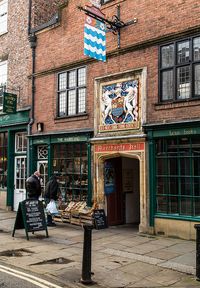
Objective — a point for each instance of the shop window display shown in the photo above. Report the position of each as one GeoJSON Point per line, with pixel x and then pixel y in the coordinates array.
{"type": "Point", "coordinates": [178, 176]}
{"type": "Point", "coordinates": [71, 166]}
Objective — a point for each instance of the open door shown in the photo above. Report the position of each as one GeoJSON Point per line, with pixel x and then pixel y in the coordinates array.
{"type": "Point", "coordinates": [113, 191]}
{"type": "Point", "coordinates": [122, 190]}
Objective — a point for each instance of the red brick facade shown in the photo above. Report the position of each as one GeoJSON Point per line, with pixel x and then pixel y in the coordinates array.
{"type": "Point", "coordinates": [62, 47]}
{"type": "Point", "coordinates": [43, 11]}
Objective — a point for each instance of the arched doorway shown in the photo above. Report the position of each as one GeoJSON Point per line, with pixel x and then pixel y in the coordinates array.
{"type": "Point", "coordinates": [122, 190]}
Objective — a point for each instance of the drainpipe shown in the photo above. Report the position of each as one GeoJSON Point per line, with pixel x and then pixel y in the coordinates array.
{"type": "Point", "coordinates": [33, 43]}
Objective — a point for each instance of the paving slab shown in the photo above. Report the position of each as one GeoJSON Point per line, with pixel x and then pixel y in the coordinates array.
{"type": "Point", "coordinates": [121, 257]}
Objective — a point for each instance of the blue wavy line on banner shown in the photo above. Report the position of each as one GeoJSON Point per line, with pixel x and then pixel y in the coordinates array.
{"type": "Point", "coordinates": [94, 55]}
{"type": "Point", "coordinates": [95, 44]}
{"type": "Point", "coordinates": [94, 33]}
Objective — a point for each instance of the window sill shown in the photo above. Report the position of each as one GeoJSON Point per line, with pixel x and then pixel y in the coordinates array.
{"type": "Point", "coordinates": [178, 104]}
{"type": "Point", "coordinates": [3, 33]}
{"type": "Point", "coordinates": [72, 118]}
{"type": "Point", "coordinates": [178, 217]}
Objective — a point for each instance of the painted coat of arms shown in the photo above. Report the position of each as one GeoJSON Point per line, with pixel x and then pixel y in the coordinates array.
{"type": "Point", "coordinates": [119, 103]}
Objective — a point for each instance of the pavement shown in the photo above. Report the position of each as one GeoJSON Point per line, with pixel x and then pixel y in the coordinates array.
{"type": "Point", "coordinates": [121, 257]}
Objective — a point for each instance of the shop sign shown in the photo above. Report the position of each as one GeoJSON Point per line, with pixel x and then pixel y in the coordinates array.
{"type": "Point", "coordinates": [9, 103]}
{"type": "Point", "coordinates": [177, 132]}
{"type": "Point", "coordinates": [21, 117]}
{"type": "Point", "coordinates": [69, 139]}
{"type": "Point", "coordinates": [40, 141]}
{"type": "Point", "coordinates": [119, 147]}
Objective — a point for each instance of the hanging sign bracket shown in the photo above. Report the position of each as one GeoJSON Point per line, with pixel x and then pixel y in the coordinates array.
{"type": "Point", "coordinates": [113, 25]}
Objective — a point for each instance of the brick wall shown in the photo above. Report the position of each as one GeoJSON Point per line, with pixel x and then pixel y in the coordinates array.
{"type": "Point", "coordinates": [63, 46]}
{"type": "Point", "coordinates": [43, 10]}
{"type": "Point", "coordinates": [14, 47]}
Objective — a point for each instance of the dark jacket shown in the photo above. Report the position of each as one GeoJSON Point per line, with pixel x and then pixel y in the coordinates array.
{"type": "Point", "coordinates": [33, 187]}
{"type": "Point", "coordinates": [52, 189]}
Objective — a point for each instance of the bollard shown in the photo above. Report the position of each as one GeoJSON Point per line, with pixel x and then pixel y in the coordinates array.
{"type": "Point", "coordinates": [197, 227]}
{"type": "Point", "coordinates": [86, 263]}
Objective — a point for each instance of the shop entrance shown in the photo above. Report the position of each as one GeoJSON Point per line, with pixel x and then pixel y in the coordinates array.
{"type": "Point", "coordinates": [121, 187]}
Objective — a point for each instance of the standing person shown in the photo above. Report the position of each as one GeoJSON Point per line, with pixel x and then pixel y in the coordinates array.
{"type": "Point", "coordinates": [33, 186]}
{"type": "Point", "coordinates": [52, 192]}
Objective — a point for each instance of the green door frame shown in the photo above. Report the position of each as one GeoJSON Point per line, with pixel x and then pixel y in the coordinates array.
{"type": "Point", "coordinates": [58, 139]}
{"type": "Point", "coordinates": [163, 131]}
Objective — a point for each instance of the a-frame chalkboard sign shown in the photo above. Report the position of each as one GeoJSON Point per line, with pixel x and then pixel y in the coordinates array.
{"type": "Point", "coordinates": [99, 219]}
{"type": "Point", "coordinates": [30, 216]}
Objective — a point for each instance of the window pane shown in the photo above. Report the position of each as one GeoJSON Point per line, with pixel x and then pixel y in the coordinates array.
{"type": "Point", "coordinates": [162, 204]}
{"type": "Point", "coordinates": [167, 58]}
{"type": "Point", "coordinates": [161, 185]}
{"type": "Point", "coordinates": [173, 205]}
{"type": "Point", "coordinates": [183, 82]}
{"type": "Point", "coordinates": [71, 102]}
{"type": "Point", "coordinates": [173, 166]}
{"type": "Point", "coordinates": [81, 77]}
{"type": "Point", "coordinates": [183, 52]}
{"type": "Point", "coordinates": [173, 185]}
{"type": "Point", "coordinates": [20, 142]}
{"type": "Point", "coordinates": [81, 100]}
{"type": "Point", "coordinates": [197, 207]}
{"type": "Point", "coordinates": [167, 85]}
{"type": "Point", "coordinates": [185, 206]}
{"type": "Point", "coordinates": [185, 185]}
{"type": "Point", "coordinates": [62, 81]}
{"type": "Point", "coordinates": [62, 104]}
{"type": "Point", "coordinates": [72, 79]}
{"type": "Point", "coordinates": [72, 92]}
{"type": "Point", "coordinates": [3, 73]}
{"type": "Point", "coordinates": [1, 99]}
{"type": "Point", "coordinates": [196, 49]}
{"type": "Point", "coordinates": [197, 80]}
{"type": "Point", "coordinates": [3, 16]}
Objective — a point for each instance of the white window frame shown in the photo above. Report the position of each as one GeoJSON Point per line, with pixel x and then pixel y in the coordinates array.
{"type": "Point", "coordinates": [3, 80]}
{"type": "Point", "coordinates": [3, 17]}
{"type": "Point", "coordinates": [20, 142]}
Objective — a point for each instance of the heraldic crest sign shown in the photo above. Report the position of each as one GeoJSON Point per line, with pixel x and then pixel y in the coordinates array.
{"type": "Point", "coordinates": [119, 106]}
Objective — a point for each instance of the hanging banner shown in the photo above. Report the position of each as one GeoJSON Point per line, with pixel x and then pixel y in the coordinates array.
{"type": "Point", "coordinates": [95, 39]}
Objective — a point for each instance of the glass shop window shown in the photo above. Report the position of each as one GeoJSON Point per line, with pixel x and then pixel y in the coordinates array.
{"type": "Point", "coordinates": [178, 176]}
{"type": "Point", "coordinates": [3, 159]}
{"type": "Point", "coordinates": [71, 166]}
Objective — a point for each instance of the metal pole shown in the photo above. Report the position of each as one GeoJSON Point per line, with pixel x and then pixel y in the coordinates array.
{"type": "Point", "coordinates": [197, 227]}
{"type": "Point", "coordinates": [86, 263]}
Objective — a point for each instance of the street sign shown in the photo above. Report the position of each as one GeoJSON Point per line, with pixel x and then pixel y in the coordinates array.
{"type": "Point", "coordinates": [9, 103]}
